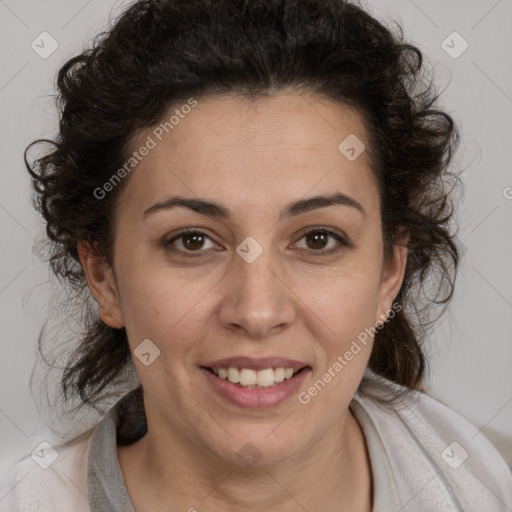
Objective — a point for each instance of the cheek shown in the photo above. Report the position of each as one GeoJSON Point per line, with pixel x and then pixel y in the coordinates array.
{"type": "Point", "coordinates": [160, 305]}
{"type": "Point", "coordinates": [345, 300]}
{"type": "Point", "coordinates": [351, 335]}
{"type": "Point", "coordinates": [344, 343]}
{"type": "Point", "coordinates": [341, 319]}
{"type": "Point", "coordinates": [336, 302]}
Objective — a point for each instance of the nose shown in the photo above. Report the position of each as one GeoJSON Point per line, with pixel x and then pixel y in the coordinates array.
{"type": "Point", "coordinates": [257, 299]}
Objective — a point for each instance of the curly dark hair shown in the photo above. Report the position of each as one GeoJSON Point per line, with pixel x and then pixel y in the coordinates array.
{"type": "Point", "coordinates": [161, 52]}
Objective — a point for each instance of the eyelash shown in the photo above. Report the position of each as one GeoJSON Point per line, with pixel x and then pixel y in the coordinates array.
{"type": "Point", "coordinates": [321, 252]}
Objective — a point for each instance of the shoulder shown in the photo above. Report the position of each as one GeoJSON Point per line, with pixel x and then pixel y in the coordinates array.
{"type": "Point", "coordinates": [436, 455]}
{"type": "Point", "coordinates": [48, 477]}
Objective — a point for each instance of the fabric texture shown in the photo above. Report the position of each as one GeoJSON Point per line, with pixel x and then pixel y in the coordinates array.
{"type": "Point", "coordinates": [106, 488]}
{"type": "Point", "coordinates": [424, 456]}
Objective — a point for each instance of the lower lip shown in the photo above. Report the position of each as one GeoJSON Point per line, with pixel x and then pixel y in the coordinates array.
{"type": "Point", "coordinates": [264, 397]}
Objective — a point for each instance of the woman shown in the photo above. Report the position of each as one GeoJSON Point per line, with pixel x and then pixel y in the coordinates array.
{"type": "Point", "coordinates": [255, 193]}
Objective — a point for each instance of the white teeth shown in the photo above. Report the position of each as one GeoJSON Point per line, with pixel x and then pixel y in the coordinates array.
{"type": "Point", "coordinates": [233, 375]}
{"type": "Point", "coordinates": [265, 378]}
{"type": "Point", "coordinates": [254, 379]}
{"type": "Point", "coordinates": [279, 374]}
{"type": "Point", "coordinates": [247, 377]}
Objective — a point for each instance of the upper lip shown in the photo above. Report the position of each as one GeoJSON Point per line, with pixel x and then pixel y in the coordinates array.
{"type": "Point", "coordinates": [255, 364]}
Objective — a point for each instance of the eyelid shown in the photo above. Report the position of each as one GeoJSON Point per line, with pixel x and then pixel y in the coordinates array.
{"type": "Point", "coordinates": [187, 231]}
{"type": "Point", "coordinates": [330, 231]}
{"type": "Point", "coordinates": [341, 238]}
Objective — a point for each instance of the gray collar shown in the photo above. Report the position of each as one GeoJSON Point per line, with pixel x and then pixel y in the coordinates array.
{"type": "Point", "coordinates": [106, 487]}
{"type": "Point", "coordinates": [108, 492]}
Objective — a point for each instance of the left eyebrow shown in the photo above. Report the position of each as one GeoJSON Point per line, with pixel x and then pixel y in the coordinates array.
{"type": "Point", "coordinates": [218, 210]}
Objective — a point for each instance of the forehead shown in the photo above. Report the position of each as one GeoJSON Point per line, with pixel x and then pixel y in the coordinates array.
{"type": "Point", "coordinates": [253, 152]}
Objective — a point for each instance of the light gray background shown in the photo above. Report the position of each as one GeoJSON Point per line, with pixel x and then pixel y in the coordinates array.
{"type": "Point", "coordinates": [472, 347]}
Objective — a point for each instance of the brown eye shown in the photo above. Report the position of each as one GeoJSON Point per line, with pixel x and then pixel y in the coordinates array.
{"type": "Point", "coordinates": [318, 239]}
{"type": "Point", "coordinates": [193, 241]}
{"type": "Point", "coordinates": [190, 242]}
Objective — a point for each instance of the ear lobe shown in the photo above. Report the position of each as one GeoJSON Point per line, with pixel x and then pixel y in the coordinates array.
{"type": "Point", "coordinates": [101, 284]}
{"type": "Point", "coordinates": [392, 278]}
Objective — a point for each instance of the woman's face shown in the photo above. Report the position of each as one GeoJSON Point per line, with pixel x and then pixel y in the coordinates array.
{"type": "Point", "coordinates": [252, 284]}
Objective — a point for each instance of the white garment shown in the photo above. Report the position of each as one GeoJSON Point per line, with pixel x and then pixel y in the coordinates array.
{"type": "Point", "coordinates": [435, 460]}
{"type": "Point", "coordinates": [440, 461]}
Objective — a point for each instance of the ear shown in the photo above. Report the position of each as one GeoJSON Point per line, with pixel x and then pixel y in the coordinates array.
{"type": "Point", "coordinates": [100, 279]}
{"type": "Point", "coordinates": [392, 277]}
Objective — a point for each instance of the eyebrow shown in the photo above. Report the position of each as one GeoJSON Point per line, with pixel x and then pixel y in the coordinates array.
{"type": "Point", "coordinates": [220, 211]}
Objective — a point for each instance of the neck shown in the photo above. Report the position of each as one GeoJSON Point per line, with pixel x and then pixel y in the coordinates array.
{"type": "Point", "coordinates": [168, 471]}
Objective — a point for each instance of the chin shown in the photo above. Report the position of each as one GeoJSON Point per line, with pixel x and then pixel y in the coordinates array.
{"type": "Point", "coordinates": [252, 450]}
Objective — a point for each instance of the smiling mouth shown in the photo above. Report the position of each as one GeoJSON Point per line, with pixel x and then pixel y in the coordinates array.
{"type": "Point", "coordinates": [252, 379]}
